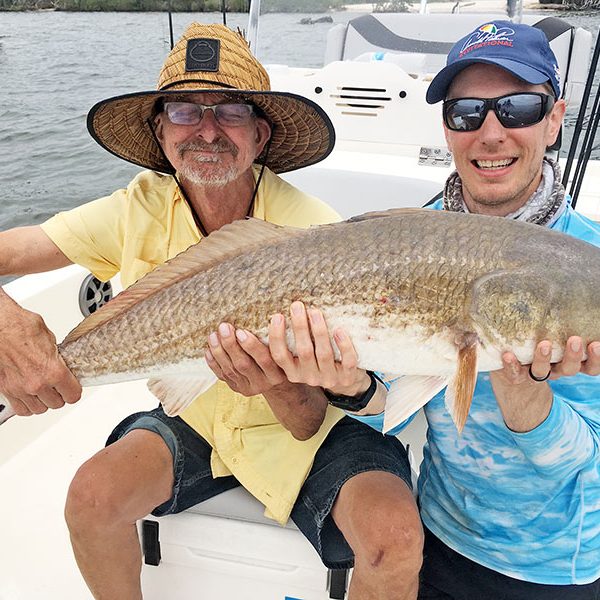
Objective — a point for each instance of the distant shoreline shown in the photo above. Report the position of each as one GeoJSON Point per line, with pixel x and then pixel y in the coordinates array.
{"type": "Point", "coordinates": [474, 6]}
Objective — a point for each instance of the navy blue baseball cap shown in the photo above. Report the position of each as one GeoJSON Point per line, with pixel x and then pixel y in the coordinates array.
{"type": "Point", "coordinates": [520, 49]}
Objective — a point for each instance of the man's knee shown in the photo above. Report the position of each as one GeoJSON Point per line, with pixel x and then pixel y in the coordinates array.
{"type": "Point", "coordinates": [394, 540]}
{"type": "Point", "coordinates": [92, 496]}
{"type": "Point", "coordinates": [379, 518]}
{"type": "Point", "coordinates": [121, 483]}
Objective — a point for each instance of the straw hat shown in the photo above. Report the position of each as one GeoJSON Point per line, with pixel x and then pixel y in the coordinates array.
{"type": "Point", "coordinates": [212, 58]}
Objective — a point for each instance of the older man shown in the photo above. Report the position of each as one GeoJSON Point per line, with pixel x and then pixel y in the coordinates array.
{"type": "Point", "coordinates": [511, 506]}
{"type": "Point", "coordinates": [219, 134]}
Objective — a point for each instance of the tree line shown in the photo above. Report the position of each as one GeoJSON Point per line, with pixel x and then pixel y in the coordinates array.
{"type": "Point", "coordinates": [174, 5]}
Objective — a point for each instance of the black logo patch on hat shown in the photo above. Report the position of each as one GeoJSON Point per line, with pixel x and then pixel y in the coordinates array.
{"type": "Point", "coordinates": [202, 54]}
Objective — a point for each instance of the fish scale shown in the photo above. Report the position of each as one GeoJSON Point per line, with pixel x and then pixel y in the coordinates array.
{"type": "Point", "coordinates": [422, 293]}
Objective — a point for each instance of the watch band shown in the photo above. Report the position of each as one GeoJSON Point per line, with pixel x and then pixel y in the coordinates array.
{"type": "Point", "coordinates": [354, 403]}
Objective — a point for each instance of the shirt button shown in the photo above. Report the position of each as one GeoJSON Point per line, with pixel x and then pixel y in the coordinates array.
{"type": "Point", "coordinates": [234, 461]}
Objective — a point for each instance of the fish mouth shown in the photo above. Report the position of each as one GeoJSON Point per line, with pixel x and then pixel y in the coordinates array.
{"type": "Point", "coordinates": [494, 165]}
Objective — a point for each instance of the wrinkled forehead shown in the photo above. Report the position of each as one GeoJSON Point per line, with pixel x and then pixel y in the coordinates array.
{"type": "Point", "coordinates": [489, 81]}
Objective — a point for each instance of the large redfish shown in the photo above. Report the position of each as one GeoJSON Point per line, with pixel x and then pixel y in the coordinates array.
{"type": "Point", "coordinates": [432, 295]}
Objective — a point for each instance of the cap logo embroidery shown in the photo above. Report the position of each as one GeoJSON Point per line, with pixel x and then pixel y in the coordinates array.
{"type": "Point", "coordinates": [202, 54]}
{"type": "Point", "coordinates": [488, 35]}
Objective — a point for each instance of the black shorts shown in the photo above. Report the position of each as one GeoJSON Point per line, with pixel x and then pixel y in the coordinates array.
{"type": "Point", "coordinates": [448, 575]}
{"type": "Point", "coordinates": [350, 448]}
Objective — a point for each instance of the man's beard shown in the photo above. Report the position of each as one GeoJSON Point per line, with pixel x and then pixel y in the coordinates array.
{"type": "Point", "coordinates": [217, 174]}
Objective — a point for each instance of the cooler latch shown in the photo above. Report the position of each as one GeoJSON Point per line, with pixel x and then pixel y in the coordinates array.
{"type": "Point", "coordinates": [150, 542]}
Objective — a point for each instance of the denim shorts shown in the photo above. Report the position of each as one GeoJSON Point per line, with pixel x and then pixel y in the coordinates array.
{"type": "Point", "coordinates": [350, 448]}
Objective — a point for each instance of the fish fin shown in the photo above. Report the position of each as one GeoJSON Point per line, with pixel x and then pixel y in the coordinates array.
{"type": "Point", "coordinates": [377, 214]}
{"type": "Point", "coordinates": [177, 392]}
{"type": "Point", "coordinates": [229, 241]}
{"type": "Point", "coordinates": [407, 394]}
{"type": "Point", "coordinates": [6, 411]}
{"type": "Point", "coordinates": [459, 393]}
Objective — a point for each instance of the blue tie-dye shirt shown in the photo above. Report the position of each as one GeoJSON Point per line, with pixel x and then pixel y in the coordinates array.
{"type": "Point", "coordinates": [524, 504]}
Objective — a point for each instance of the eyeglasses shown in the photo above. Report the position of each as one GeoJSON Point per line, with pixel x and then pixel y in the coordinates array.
{"type": "Point", "coordinates": [190, 113]}
{"type": "Point", "coordinates": [513, 110]}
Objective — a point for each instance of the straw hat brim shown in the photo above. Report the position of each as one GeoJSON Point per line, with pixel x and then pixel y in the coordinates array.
{"type": "Point", "coordinates": [302, 133]}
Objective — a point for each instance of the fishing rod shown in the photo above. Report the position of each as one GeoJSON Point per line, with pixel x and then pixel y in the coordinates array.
{"type": "Point", "coordinates": [170, 23]}
{"type": "Point", "coordinates": [223, 10]}
{"type": "Point", "coordinates": [580, 120]}
{"type": "Point", "coordinates": [586, 150]}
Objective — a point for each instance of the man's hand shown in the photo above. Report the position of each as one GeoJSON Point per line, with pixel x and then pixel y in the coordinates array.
{"type": "Point", "coordinates": [573, 361]}
{"type": "Point", "coordinates": [525, 402]}
{"type": "Point", "coordinates": [33, 376]}
{"type": "Point", "coordinates": [315, 363]}
{"type": "Point", "coordinates": [242, 361]}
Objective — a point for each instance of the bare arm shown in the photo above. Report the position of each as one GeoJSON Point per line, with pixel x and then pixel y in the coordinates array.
{"type": "Point", "coordinates": [26, 250]}
{"type": "Point", "coordinates": [299, 408]}
{"type": "Point", "coordinates": [32, 374]}
{"type": "Point", "coordinates": [526, 403]}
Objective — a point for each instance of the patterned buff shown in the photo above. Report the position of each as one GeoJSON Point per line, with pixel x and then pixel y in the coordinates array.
{"type": "Point", "coordinates": [543, 208]}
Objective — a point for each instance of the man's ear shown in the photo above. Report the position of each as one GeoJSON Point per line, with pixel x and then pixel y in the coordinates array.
{"type": "Point", "coordinates": [555, 119]}
{"type": "Point", "coordinates": [158, 125]}
{"type": "Point", "coordinates": [263, 133]}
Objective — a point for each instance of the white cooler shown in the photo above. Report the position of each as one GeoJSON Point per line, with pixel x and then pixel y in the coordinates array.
{"type": "Point", "coordinates": [225, 549]}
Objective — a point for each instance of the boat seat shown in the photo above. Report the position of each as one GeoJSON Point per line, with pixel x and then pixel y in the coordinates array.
{"type": "Point", "coordinates": [238, 504]}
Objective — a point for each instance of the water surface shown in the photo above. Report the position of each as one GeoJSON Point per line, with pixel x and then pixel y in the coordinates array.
{"type": "Point", "coordinates": [54, 66]}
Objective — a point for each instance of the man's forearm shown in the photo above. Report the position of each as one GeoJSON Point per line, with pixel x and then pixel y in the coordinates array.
{"type": "Point", "coordinates": [524, 406]}
{"type": "Point", "coordinates": [26, 250]}
{"type": "Point", "coordinates": [298, 407]}
{"type": "Point", "coordinates": [10, 315]}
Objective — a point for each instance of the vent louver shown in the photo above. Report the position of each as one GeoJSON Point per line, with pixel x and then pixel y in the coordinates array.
{"type": "Point", "coordinates": [359, 101]}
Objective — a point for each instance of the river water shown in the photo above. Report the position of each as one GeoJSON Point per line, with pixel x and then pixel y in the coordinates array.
{"type": "Point", "coordinates": [54, 66]}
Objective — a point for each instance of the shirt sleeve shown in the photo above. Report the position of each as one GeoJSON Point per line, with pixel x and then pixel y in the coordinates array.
{"type": "Point", "coordinates": [91, 235]}
{"type": "Point", "coordinates": [376, 421]}
{"type": "Point", "coordinates": [564, 443]}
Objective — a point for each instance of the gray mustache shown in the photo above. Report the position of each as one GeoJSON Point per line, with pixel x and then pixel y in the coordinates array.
{"type": "Point", "coordinates": [218, 146]}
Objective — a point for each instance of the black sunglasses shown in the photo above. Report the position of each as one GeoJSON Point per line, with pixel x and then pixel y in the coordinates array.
{"type": "Point", "coordinates": [513, 110]}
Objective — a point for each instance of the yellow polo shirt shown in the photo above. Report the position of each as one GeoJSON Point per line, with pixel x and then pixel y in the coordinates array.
{"type": "Point", "coordinates": [134, 230]}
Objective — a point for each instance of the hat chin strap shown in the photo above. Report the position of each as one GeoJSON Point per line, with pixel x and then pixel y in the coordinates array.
{"type": "Point", "coordinates": [262, 170]}
{"type": "Point", "coordinates": [197, 220]}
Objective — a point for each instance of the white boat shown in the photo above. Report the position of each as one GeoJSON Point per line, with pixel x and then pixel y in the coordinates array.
{"type": "Point", "coordinates": [390, 151]}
